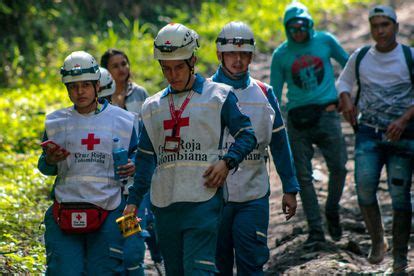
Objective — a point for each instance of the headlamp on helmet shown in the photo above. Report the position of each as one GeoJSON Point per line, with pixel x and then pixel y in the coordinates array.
{"type": "Point", "coordinates": [175, 42]}
{"type": "Point", "coordinates": [235, 36]}
{"type": "Point", "coordinates": [79, 66]}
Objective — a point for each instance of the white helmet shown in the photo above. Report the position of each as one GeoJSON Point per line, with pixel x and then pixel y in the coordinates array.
{"type": "Point", "coordinates": [107, 85]}
{"type": "Point", "coordinates": [79, 66]}
{"type": "Point", "coordinates": [175, 42]}
{"type": "Point", "coordinates": [235, 36]}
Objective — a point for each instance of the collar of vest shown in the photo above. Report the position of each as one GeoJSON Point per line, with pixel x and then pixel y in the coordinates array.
{"type": "Point", "coordinates": [241, 83]}
{"type": "Point", "coordinates": [197, 86]}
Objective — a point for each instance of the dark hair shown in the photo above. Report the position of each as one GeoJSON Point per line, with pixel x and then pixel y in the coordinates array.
{"type": "Point", "coordinates": [110, 53]}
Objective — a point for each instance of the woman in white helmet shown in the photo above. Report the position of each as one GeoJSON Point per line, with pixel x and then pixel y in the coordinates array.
{"type": "Point", "coordinates": [179, 149]}
{"type": "Point", "coordinates": [243, 230]}
{"type": "Point", "coordinates": [107, 85]}
{"type": "Point", "coordinates": [81, 235]}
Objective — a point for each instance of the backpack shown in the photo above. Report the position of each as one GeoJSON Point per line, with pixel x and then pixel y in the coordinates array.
{"type": "Point", "coordinates": [408, 59]}
{"type": "Point", "coordinates": [262, 86]}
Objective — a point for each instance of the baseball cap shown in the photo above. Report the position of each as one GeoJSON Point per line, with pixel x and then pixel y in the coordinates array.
{"type": "Point", "coordinates": [382, 10]}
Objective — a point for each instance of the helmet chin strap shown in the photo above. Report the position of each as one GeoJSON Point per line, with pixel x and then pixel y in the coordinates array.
{"type": "Point", "coordinates": [190, 74]}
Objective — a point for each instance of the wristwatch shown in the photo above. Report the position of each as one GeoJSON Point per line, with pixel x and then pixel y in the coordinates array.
{"type": "Point", "coordinates": [230, 163]}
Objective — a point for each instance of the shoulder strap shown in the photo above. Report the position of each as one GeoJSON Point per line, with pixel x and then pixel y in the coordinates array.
{"type": "Point", "coordinates": [409, 60]}
{"type": "Point", "coordinates": [359, 58]}
{"type": "Point", "coordinates": [262, 86]}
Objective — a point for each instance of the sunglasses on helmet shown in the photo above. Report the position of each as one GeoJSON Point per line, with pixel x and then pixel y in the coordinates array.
{"type": "Point", "coordinates": [166, 48]}
{"type": "Point", "coordinates": [78, 71]}
{"type": "Point", "coordinates": [235, 41]}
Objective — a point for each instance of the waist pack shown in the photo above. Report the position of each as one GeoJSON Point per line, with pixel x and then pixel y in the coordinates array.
{"type": "Point", "coordinates": [306, 116]}
{"type": "Point", "coordinates": [78, 217]}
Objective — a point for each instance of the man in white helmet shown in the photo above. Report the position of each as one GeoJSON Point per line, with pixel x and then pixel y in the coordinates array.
{"type": "Point", "coordinates": [81, 235]}
{"type": "Point", "coordinates": [180, 148]}
{"type": "Point", "coordinates": [243, 230]}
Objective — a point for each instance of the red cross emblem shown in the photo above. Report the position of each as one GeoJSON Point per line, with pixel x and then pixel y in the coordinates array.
{"type": "Point", "coordinates": [79, 216]}
{"type": "Point", "coordinates": [182, 122]}
{"type": "Point", "coordinates": [91, 141]}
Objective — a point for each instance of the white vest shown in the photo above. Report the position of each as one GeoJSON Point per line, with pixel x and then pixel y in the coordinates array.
{"type": "Point", "coordinates": [87, 175]}
{"type": "Point", "coordinates": [251, 180]}
{"type": "Point", "coordinates": [178, 177]}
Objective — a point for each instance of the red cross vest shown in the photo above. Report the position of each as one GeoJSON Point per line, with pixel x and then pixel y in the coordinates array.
{"type": "Point", "coordinates": [251, 180]}
{"type": "Point", "coordinates": [178, 176]}
{"type": "Point", "coordinates": [87, 175]}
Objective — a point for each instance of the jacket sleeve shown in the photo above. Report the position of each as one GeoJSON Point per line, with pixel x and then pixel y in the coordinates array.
{"type": "Point", "coordinates": [277, 78]}
{"type": "Point", "coordinates": [42, 165]}
{"type": "Point", "coordinates": [280, 149]}
{"type": "Point", "coordinates": [338, 53]}
{"type": "Point", "coordinates": [145, 162]}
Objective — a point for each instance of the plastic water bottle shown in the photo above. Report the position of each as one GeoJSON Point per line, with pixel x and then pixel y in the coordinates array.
{"type": "Point", "coordinates": [120, 156]}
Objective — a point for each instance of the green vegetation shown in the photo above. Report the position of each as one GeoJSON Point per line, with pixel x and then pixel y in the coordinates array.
{"type": "Point", "coordinates": [39, 34]}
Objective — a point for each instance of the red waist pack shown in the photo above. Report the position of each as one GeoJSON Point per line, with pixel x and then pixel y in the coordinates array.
{"type": "Point", "coordinates": [78, 217]}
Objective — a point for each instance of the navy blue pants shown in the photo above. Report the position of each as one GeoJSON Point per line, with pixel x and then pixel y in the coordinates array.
{"type": "Point", "coordinates": [187, 233]}
{"type": "Point", "coordinates": [244, 229]}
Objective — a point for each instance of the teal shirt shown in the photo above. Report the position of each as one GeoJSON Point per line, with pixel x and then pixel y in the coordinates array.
{"type": "Point", "coordinates": [306, 67]}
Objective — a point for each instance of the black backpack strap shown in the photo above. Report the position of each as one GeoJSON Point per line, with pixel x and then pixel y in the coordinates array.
{"type": "Point", "coordinates": [409, 60]}
{"type": "Point", "coordinates": [364, 50]}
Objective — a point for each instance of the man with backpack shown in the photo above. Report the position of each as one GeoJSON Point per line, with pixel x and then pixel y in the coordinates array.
{"type": "Point", "coordinates": [303, 62]}
{"type": "Point", "coordinates": [382, 117]}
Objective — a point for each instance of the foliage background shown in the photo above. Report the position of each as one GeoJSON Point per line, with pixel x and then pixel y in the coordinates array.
{"type": "Point", "coordinates": [38, 35]}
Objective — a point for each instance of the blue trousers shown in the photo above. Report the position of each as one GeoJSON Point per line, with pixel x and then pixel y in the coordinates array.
{"type": "Point", "coordinates": [134, 254]}
{"type": "Point", "coordinates": [149, 224]}
{"type": "Point", "coordinates": [244, 229]}
{"type": "Point", "coordinates": [327, 136]}
{"type": "Point", "coordinates": [97, 253]}
{"type": "Point", "coordinates": [370, 158]}
{"type": "Point", "coordinates": [187, 233]}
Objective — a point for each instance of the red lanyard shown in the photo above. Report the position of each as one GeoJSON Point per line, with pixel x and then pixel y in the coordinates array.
{"type": "Point", "coordinates": [176, 114]}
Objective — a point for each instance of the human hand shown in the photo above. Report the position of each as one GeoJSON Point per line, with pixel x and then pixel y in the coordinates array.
{"type": "Point", "coordinates": [216, 174]}
{"type": "Point", "coordinates": [396, 129]}
{"type": "Point", "coordinates": [127, 169]}
{"type": "Point", "coordinates": [348, 109]}
{"type": "Point", "coordinates": [55, 153]}
{"type": "Point", "coordinates": [130, 209]}
{"type": "Point", "coordinates": [289, 205]}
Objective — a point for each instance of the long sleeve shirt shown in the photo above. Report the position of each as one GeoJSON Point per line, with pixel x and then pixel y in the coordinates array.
{"type": "Point", "coordinates": [239, 126]}
{"type": "Point", "coordinates": [279, 145]}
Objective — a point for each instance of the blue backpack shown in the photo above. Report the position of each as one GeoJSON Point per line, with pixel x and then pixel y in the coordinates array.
{"type": "Point", "coordinates": [408, 59]}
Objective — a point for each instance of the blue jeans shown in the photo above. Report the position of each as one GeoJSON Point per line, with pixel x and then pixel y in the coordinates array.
{"type": "Point", "coordinates": [244, 229]}
{"type": "Point", "coordinates": [371, 154]}
{"type": "Point", "coordinates": [327, 136]}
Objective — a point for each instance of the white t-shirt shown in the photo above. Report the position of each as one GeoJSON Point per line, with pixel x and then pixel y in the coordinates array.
{"type": "Point", "coordinates": [386, 89]}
